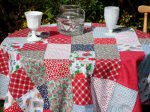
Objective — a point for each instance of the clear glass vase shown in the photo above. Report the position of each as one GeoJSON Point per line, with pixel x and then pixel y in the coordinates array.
{"type": "Point", "coordinates": [70, 21]}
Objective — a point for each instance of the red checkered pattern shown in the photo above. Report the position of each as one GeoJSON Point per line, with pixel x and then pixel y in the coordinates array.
{"type": "Point", "coordinates": [98, 25]}
{"type": "Point", "coordinates": [47, 110]}
{"type": "Point", "coordinates": [57, 69]}
{"type": "Point", "coordinates": [107, 69]}
{"type": "Point", "coordinates": [13, 108]}
{"type": "Point", "coordinates": [24, 32]}
{"type": "Point", "coordinates": [60, 40]}
{"type": "Point", "coordinates": [44, 29]}
{"type": "Point", "coordinates": [4, 67]}
{"type": "Point", "coordinates": [82, 91]}
{"type": "Point", "coordinates": [20, 33]}
{"type": "Point", "coordinates": [141, 34]}
{"type": "Point", "coordinates": [35, 46]}
{"type": "Point", "coordinates": [54, 29]}
{"type": "Point", "coordinates": [20, 83]}
{"type": "Point", "coordinates": [104, 41]}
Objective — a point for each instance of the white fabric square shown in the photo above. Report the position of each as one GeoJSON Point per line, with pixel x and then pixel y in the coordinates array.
{"type": "Point", "coordinates": [4, 82]}
{"type": "Point", "coordinates": [123, 99]}
{"type": "Point", "coordinates": [57, 51]}
{"type": "Point", "coordinates": [31, 101]}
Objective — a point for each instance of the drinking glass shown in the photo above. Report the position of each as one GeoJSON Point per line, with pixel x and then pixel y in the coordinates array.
{"type": "Point", "coordinates": [70, 21]}
{"type": "Point", "coordinates": [111, 15]}
{"type": "Point", "coordinates": [33, 22]}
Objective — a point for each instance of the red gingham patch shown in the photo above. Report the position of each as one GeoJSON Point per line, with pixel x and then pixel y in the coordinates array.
{"type": "Point", "coordinates": [60, 39]}
{"type": "Point", "coordinates": [82, 91]}
{"type": "Point", "coordinates": [107, 69]}
{"type": "Point", "coordinates": [13, 108]}
{"type": "Point", "coordinates": [141, 34]}
{"type": "Point", "coordinates": [20, 84]}
{"type": "Point", "coordinates": [56, 69]}
{"type": "Point", "coordinates": [20, 33]}
{"type": "Point", "coordinates": [34, 46]}
{"type": "Point", "coordinates": [54, 29]}
{"type": "Point", "coordinates": [98, 25]}
{"type": "Point", "coordinates": [104, 41]}
{"type": "Point", "coordinates": [4, 67]}
{"type": "Point", "coordinates": [24, 32]}
{"type": "Point", "coordinates": [44, 29]}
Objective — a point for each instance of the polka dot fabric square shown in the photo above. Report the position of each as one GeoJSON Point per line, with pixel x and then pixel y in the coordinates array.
{"type": "Point", "coordinates": [57, 51]}
{"type": "Point", "coordinates": [14, 108]}
{"type": "Point", "coordinates": [107, 69]}
{"type": "Point", "coordinates": [56, 69]}
{"type": "Point", "coordinates": [105, 51]}
{"type": "Point", "coordinates": [20, 84]}
{"type": "Point", "coordinates": [82, 91]}
{"type": "Point", "coordinates": [102, 93]}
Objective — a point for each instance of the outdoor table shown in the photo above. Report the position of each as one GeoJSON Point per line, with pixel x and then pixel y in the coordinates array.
{"type": "Point", "coordinates": [91, 72]}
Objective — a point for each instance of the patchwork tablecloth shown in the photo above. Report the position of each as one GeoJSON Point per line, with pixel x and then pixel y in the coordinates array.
{"type": "Point", "coordinates": [92, 72]}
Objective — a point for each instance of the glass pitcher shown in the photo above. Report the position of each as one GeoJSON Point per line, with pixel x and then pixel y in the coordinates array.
{"type": "Point", "coordinates": [70, 21]}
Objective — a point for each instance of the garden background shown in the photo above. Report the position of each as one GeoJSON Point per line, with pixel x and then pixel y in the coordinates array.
{"type": "Point", "coordinates": [12, 16]}
{"type": "Point", "coordinates": [12, 12]}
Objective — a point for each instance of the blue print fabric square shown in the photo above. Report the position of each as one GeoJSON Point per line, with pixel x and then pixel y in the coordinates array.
{"type": "Point", "coordinates": [146, 48]}
{"type": "Point", "coordinates": [81, 47]}
{"type": "Point", "coordinates": [44, 93]}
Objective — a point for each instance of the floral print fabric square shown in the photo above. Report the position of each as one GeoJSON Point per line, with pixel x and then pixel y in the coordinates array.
{"type": "Point", "coordinates": [105, 51]}
{"type": "Point", "coordinates": [60, 95]}
{"type": "Point", "coordinates": [86, 38]}
{"type": "Point", "coordinates": [31, 102]}
{"type": "Point", "coordinates": [44, 93]}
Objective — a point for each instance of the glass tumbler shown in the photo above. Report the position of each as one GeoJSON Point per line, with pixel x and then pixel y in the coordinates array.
{"type": "Point", "coordinates": [71, 19]}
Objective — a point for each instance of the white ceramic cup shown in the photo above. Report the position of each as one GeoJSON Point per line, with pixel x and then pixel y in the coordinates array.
{"type": "Point", "coordinates": [33, 22]}
{"type": "Point", "coordinates": [111, 15]}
